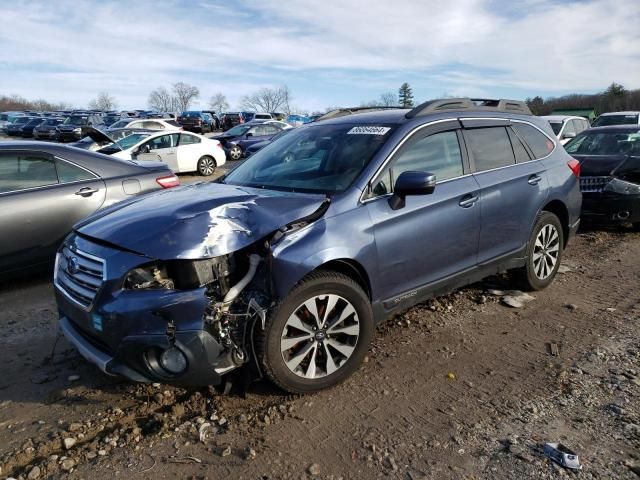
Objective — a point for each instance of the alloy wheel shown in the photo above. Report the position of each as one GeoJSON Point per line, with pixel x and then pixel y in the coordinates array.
{"type": "Point", "coordinates": [320, 336]}
{"type": "Point", "coordinates": [235, 153]}
{"type": "Point", "coordinates": [207, 166]}
{"type": "Point", "coordinates": [545, 251]}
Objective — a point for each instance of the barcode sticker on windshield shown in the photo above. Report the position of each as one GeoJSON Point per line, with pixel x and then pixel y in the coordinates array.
{"type": "Point", "coordinates": [368, 130]}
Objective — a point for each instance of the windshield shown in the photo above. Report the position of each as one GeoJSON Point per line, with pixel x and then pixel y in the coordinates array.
{"type": "Point", "coordinates": [130, 140]}
{"type": "Point", "coordinates": [604, 120]}
{"type": "Point", "coordinates": [21, 120]}
{"type": "Point", "coordinates": [120, 124]}
{"type": "Point", "coordinates": [605, 143]}
{"type": "Point", "coordinates": [323, 159]}
{"type": "Point", "coordinates": [237, 130]}
{"type": "Point", "coordinates": [76, 120]}
{"type": "Point", "coordinates": [556, 126]}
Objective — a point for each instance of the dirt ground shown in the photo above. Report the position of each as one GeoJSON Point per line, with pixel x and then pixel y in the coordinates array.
{"type": "Point", "coordinates": [463, 387]}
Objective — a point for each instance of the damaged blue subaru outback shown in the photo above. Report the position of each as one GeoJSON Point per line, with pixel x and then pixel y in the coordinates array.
{"type": "Point", "coordinates": [283, 268]}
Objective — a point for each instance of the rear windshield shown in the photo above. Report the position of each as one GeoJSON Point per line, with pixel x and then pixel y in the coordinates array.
{"type": "Point", "coordinates": [191, 114]}
{"type": "Point", "coordinates": [556, 127]}
{"type": "Point", "coordinates": [605, 120]}
{"type": "Point", "coordinates": [605, 143]}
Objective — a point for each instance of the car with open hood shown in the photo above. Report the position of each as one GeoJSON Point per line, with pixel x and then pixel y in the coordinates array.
{"type": "Point", "coordinates": [610, 164]}
{"type": "Point", "coordinates": [181, 151]}
{"type": "Point", "coordinates": [283, 267]}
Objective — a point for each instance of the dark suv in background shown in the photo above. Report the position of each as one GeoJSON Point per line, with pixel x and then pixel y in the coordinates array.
{"type": "Point", "coordinates": [75, 126]}
{"type": "Point", "coordinates": [286, 264]}
{"type": "Point", "coordinates": [196, 121]}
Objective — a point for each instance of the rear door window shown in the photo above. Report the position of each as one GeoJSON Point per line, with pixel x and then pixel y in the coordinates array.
{"type": "Point", "coordinates": [490, 147]}
{"type": "Point", "coordinates": [186, 139]}
{"type": "Point", "coordinates": [21, 171]}
{"type": "Point", "coordinates": [538, 142]}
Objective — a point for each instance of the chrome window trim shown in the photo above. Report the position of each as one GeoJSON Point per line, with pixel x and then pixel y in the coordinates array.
{"type": "Point", "coordinates": [393, 152]}
{"type": "Point", "coordinates": [459, 119]}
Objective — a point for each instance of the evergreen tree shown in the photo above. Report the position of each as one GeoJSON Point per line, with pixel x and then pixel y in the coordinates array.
{"type": "Point", "coordinates": [405, 96]}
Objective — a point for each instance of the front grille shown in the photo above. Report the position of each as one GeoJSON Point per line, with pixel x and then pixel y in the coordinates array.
{"type": "Point", "coordinates": [593, 184]}
{"type": "Point", "coordinates": [79, 275]}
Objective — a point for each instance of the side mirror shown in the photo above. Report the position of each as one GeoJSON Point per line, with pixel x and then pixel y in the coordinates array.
{"type": "Point", "coordinates": [569, 135]}
{"type": "Point", "coordinates": [249, 134]}
{"type": "Point", "coordinates": [411, 183]}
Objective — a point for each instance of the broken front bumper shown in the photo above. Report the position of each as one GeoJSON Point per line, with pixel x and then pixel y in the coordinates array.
{"type": "Point", "coordinates": [134, 361]}
{"type": "Point", "coordinates": [124, 332]}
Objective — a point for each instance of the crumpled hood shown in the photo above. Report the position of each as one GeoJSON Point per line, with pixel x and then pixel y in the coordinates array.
{"type": "Point", "coordinates": [601, 165]}
{"type": "Point", "coordinates": [197, 221]}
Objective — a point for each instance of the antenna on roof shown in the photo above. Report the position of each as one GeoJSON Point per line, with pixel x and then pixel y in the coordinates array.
{"type": "Point", "coordinates": [458, 104]}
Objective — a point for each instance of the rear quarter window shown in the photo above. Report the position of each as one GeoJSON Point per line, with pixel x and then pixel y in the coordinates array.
{"type": "Point", "coordinates": [540, 145]}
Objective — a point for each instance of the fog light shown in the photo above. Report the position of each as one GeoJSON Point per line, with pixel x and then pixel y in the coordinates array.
{"type": "Point", "coordinates": [173, 360]}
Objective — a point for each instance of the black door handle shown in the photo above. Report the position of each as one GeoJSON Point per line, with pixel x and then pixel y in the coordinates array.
{"type": "Point", "coordinates": [468, 200]}
{"type": "Point", "coordinates": [86, 191]}
{"type": "Point", "coordinates": [534, 179]}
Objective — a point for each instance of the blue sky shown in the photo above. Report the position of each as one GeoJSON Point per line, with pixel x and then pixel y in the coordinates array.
{"type": "Point", "coordinates": [328, 52]}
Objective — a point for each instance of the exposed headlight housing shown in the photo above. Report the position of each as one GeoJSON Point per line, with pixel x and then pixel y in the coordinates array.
{"type": "Point", "coordinates": [148, 277]}
{"type": "Point", "coordinates": [622, 187]}
{"type": "Point", "coordinates": [77, 130]}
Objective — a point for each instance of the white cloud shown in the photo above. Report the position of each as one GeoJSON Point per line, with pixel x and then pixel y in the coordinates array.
{"type": "Point", "coordinates": [71, 50]}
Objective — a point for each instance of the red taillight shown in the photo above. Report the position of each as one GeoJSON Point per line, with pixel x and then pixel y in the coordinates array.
{"type": "Point", "coordinates": [574, 165]}
{"type": "Point", "coordinates": [218, 144]}
{"type": "Point", "coordinates": [168, 181]}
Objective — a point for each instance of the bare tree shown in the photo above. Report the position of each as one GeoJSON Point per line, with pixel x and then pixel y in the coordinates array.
{"type": "Point", "coordinates": [268, 100]}
{"type": "Point", "coordinates": [218, 103]}
{"type": "Point", "coordinates": [104, 101]}
{"type": "Point", "coordinates": [184, 94]}
{"type": "Point", "coordinates": [388, 99]}
{"type": "Point", "coordinates": [161, 100]}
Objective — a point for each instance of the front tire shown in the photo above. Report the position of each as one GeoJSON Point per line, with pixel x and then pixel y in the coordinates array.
{"type": "Point", "coordinates": [544, 252]}
{"type": "Point", "coordinates": [318, 335]}
{"type": "Point", "coordinates": [206, 166]}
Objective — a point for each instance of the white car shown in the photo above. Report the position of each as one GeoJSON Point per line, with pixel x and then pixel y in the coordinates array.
{"type": "Point", "coordinates": [181, 151]}
{"type": "Point", "coordinates": [146, 123]}
{"type": "Point", "coordinates": [283, 125]}
{"type": "Point", "coordinates": [617, 118]}
{"type": "Point", "coordinates": [566, 127]}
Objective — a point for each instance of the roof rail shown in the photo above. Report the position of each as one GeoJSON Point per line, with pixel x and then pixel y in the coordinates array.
{"type": "Point", "coordinates": [341, 112]}
{"type": "Point", "coordinates": [457, 104]}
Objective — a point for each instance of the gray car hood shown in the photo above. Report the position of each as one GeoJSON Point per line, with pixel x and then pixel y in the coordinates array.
{"type": "Point", "coordinates": [197, 221]}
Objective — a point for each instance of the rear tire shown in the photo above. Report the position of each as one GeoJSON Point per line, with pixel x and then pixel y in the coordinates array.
{"type": "Point", "coordinates": [544, 252]}
{"type": "Point", "coordinates": [326, 342]}
{"type": "Point", "coordinates": [206, 166]}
